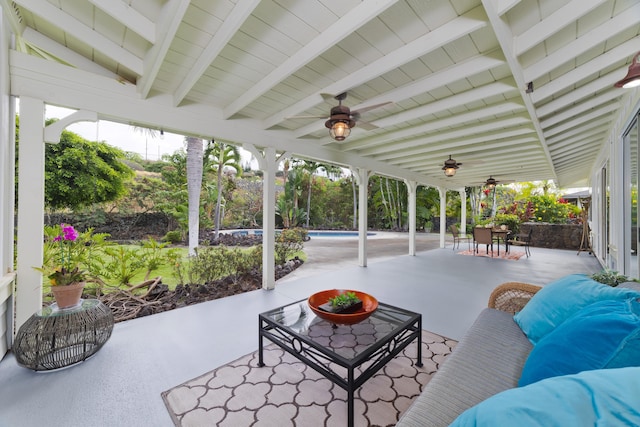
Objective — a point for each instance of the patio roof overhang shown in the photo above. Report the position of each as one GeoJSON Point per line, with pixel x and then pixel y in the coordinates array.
{"type": "Point", "coordinates": [517, 90]}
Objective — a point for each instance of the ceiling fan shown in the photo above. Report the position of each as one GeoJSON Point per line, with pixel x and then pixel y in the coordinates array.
{"type": "Point", "coordinates": [341, 119]}
{"type": "Point", "coordinates": [450, 166]}
{"type": "Point", "coordinates": [491, 182]}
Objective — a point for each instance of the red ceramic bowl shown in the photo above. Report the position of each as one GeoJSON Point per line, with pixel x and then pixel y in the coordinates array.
{"type": "Point", "coordinates": [369, 305]}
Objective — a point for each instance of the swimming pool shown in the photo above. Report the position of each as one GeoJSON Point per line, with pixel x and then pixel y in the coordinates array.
{"type": "Point", "coordinates": [337, 233]}
{"type": "Point", "coordinates": [311, 233]}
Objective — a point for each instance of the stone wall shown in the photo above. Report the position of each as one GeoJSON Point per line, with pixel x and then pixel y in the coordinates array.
{"type": "Point", "coordinates": [141, 226]}
{"type": "Point", "coordinates": [554, 236]}
{"type": "Point", "coordinates": [120, 227]}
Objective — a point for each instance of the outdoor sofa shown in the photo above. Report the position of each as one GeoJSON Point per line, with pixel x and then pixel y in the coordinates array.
{"type": "Point", "coordinates": [577, 325]}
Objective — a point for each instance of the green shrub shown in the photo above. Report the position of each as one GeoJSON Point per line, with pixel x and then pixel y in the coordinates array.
{"type": "Point", "coordinates": [288, 243]}
{"type": "Point", "coordinates": [214, 263]}
{"type": "Point", "coordinates": [549, 209]}
{"type": "Point", "coordinates": [173, 237]}
{"type": "Point", "coordinates": [209, 264]}
{"type": "Point", "coordinates": [122, 264]}
{"type": "Point", "coordinates": [152, 255]}
{"type": "Point", "coordinates": [180, 265]}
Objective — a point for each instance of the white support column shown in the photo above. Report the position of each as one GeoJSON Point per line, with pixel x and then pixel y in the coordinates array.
{"type": "Point", "coordinates": [362, 179]}
{"type": "Point", "coordinates": [7, 158]}
{"type": "Point", "coordinates": [268, 163]}
{"type": "Point", "coordinates": [269, 220]}
{"type": "Point", "coordinates": [412, 187]}
{"type": "Point", "coordinates": [463, 212]}
{"type": "Point", "coordinates": [30, 209]}
{"type": "Point", "coordinates": [443, 215]}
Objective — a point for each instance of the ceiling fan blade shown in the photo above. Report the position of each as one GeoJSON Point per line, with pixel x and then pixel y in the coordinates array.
{"type": "Point", "coordinates": [307, 117]}
{"type": "Point", "coordinates": [371, 107]}
{"type": "Point", "coordinates": [366, 125]}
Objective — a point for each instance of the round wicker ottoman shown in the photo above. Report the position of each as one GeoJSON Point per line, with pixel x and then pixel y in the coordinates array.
{"type": "Point", "coordinates": [53, 338]}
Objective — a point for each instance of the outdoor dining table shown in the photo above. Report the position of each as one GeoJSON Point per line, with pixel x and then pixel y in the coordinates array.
{"type": "Point", "coordinates": [500, 234]}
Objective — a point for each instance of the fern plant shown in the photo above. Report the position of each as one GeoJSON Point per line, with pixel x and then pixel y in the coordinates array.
{"type": "Point", "coordinates": [611, 277]}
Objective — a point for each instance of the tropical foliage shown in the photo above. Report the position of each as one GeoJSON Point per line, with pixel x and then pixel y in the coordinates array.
{"type": "Point", "coordinates": [309, 193]}
{"type": "Point", "coordinates": [80, 173]}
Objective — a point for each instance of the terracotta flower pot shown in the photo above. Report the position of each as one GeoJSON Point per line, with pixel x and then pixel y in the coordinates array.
{"type": "Point", "coordinates": [69, 295]}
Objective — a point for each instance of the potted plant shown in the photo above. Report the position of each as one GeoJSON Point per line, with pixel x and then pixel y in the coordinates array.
{"type": "Point", "coordinates": [611, 278]}
{"type": "Point", "coordinates": [66, 278]}
{"type": "Point", "coordinates": [347, 302]}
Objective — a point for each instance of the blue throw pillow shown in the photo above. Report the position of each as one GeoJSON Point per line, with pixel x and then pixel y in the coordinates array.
{"type": "Point", "coordinates": [559, 300]}
{"type": "Point", "coordinates": [606, 397]}
{"type": "Point", "coordinates": [605, 334]}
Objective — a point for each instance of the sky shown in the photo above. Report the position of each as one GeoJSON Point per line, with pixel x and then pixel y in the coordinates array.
{"type": "Point", "coordinates": [125, 137]}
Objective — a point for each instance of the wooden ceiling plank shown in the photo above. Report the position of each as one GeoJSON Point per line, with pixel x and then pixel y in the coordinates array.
{"type": "Point", "coordinates": [450, 102]}
{"type": "Point", "coordinates": [459, 27]}
{"type": "Point", "coordinates": [587, 90]}
{"type": "Point", "coordinates": [83, 32]}
{"type": "Point", "coordinates": [607, 59]}
{"type": "Point", "coordinates": [573, 148]}
{"type": "Point", "coordinates": [504, 6]}
{"type": "Point", "coordinates": [463, 144]}
{"type": "Point", "coordinates": [572, 158]}
{"type": "Point", "coordinates": [457, 133]}
{"type": "Point", "coordinates": [456, 120]}
{"type": "Point", "coordinates": [588, 126]}
{"type": "Point", "coordinates": [472, 157]}
{"type": "Point", "coordinates": [230, 26]}
{"type": "Point", "coordinates": [505, 37]}
{"type": "Point", "coordinates": [342, 28]}
{"type": "Point", "coordinates": [575, 140]}
{"type": "Point", "coordinates": [554, 23]}
{"type": "Point", "coordinates": [449, 75]}
{"type": "Point", "coordinates": [610, 28]}
{"type": "Point", "coordinates": [64, 53]}
{"type": "Point", "coordinates": [582, 119]}
{"type": "Point", "coordinates": [129, 17]}
{"type": "Point", "coordinates": [581, 108]}
{"type": "Point", "coordinates": [170, 19]}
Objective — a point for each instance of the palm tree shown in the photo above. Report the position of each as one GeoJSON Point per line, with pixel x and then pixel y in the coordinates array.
{"type": "Point", "coordinates": [354, 191]}
{"type": "Point", "coordinates": [285, 179]}
{"type": "Point", "coordinates": [194, 183]}
{"type": "Point", "coordinates": [222, 156]}
{"type": "Point", "coordinates": [310, 168]}
{"type": "Point", "coordinates": [147, 133]}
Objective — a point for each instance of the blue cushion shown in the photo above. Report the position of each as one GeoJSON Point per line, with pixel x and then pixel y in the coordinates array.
{"type": "Point", "coordinates": [605, 334]}
{"type": "Point", "coordinates": [606, 397]}
{"type": "Point", "coordinates": [559, 300]}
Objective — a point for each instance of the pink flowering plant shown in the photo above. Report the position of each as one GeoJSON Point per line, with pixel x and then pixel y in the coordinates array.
{"type": "Point", "coordinates": [69, 250]}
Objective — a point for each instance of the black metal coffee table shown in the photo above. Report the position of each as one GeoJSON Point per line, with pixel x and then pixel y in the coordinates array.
{"type": "Point", "coordinates": [347, 355]}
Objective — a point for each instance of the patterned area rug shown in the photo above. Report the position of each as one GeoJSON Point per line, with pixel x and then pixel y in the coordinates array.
{"type": "Point", "coordinates": [286, 392]}
{"type": "Point", "coordinates": [512, 255]}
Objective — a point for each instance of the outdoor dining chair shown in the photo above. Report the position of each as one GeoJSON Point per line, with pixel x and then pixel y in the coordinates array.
{"type": "Point", "coordinates": [457, 238]}
{"type": "Point", "coordinates": [522, 239]}
{"type": "Point", "coordinates": [482, 236]}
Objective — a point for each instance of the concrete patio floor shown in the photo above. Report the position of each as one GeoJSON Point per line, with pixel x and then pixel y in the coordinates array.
{"type": "Point", "coordinates": [121, 384]}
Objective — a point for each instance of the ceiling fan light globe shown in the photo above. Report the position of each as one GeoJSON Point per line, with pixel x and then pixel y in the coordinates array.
{"type": "Point", "coordinates": [449, 171]}
{"type": "Point", "coordinates": [450, 167]}
{"type": "Point", "coordinates": [339, 130]}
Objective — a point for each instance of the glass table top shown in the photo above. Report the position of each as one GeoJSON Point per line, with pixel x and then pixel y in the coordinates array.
{"type": "Point", "coordinates": [53, 310]}
{"type": "Point", "coordinates": [347, 341]}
